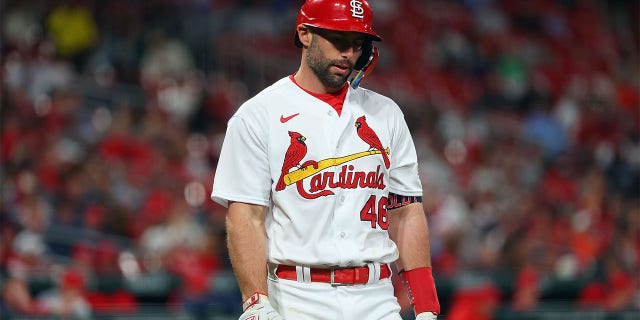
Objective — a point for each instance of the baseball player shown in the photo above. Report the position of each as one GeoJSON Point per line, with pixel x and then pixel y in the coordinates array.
{"type": "Point", "coordinates": [321, 183]}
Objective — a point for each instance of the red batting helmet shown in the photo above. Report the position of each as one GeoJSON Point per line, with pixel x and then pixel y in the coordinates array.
{"type": "Point", "coordinates": [338, 15]}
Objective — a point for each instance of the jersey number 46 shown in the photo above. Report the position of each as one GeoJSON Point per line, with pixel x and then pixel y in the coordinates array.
{"type": "Point", "coordinates": [375, 211]}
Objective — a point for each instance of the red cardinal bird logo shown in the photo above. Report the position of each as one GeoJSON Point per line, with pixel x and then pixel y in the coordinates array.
{"type": "Point", "coordinates": [296, 151]}
{"type": "Point", "coordinates": [369, 136]}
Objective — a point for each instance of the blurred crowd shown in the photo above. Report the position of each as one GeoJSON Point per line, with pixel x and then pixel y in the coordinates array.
{"type": "Point", "coordinates": [525, 114]}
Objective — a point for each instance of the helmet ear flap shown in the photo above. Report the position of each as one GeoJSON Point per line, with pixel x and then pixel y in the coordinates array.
{"type": "Point", "coordinates": [367, 52]}
{"type": "Point", "coordinates": [368, 66]}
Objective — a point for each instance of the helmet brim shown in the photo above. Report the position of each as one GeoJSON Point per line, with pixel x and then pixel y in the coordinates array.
{"type": "Point", "coordinates": [297, 43]}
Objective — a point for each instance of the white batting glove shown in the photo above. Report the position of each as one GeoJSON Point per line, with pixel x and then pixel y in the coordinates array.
{"type": "Point", "coordinates": [426, 316]}
{"type": "Point", "coordinates": [257, 307]}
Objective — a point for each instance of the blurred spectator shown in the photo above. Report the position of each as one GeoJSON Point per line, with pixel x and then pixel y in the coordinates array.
{"type": "Point", "coordinates": [20, 28]}
{"type": "Point", "coordinates": [616, 290]}
{"type": "Point", "coordinates": [174, 229]}
{"type": "Point", "coordinates": [527, 292]}
{"type": "Point", "coordinates": [46, 75]}
{"type": "Point", "coordinates": [25, 264]}
{"type": "Point", "coordinates": [541, 128]}
{"type": "Point", "coordinates": [68, 299]}
{"type": "Point", "coordinates": [478, 302]}
{"type": "Point", "coordinates": [73, 28]}
{"type": "Point", "coordinates": [107, 295]}
{"type": "Point", "coordinates": [17, 299]}
{"type": "Point", "coordinates": [181, 246]}
{"type": "Point", "coordinates": [29, 258]}
{"type": "Point", "coordinates": [167, 73]}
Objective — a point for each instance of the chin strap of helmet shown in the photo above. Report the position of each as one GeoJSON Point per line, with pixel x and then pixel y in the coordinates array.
{"type": "Point", "coordinates": [364, 65]}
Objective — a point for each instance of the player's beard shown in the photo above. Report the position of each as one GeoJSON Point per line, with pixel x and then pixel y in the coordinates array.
{"type": "Point", "coordinates": [321, 65]}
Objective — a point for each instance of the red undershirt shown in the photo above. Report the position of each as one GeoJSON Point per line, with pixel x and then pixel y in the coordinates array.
{"type": "Point", "coordinates": [335, 100]}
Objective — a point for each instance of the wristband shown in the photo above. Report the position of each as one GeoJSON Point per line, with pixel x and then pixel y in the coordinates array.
{"type": "Point", "coordinates": [421, 289]}
{"type": "Point", "coordinates": [253, 299]}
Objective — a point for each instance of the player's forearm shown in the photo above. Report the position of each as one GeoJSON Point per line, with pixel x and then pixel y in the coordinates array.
{"type": "Point", "coordinates": [408, 228]}
{"type": "Point", "coordinates": [246, 241]}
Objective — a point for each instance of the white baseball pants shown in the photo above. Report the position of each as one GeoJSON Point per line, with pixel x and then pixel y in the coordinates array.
{"type": "Point", "coordinates": [322, 301]}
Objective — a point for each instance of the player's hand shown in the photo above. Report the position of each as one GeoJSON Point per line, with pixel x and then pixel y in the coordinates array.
{"type": "Point", "coordinates": [263, 311]}
{"type": "Point", "coordinates": [260, 309]}
{"type": "Point", "coordinates": [426, 316]}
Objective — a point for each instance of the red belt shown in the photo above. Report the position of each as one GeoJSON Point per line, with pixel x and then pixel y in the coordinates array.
{"type": "Point", "coordinates": [335, 276]}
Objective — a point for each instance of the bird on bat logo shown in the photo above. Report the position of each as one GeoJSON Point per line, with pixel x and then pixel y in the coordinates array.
{"type": "Point", "coordinates": [371, 138]}
{"type": "Point", "coordinates": [295, 153]}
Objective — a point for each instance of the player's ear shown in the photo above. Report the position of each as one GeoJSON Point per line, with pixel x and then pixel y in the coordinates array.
{"type": "Point", "coordinates": [304, 35]}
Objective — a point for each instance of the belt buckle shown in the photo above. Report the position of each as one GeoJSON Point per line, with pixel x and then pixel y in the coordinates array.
{"type": "Point", "coordinates": [332, 279]}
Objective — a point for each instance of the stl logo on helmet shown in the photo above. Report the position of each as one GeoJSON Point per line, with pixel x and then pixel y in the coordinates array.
{"type": "Point", "coordinates": [356, 9]}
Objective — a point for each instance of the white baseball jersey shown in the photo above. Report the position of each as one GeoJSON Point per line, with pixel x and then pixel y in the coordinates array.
{"type": "Point", "coordinates": [322, 175]}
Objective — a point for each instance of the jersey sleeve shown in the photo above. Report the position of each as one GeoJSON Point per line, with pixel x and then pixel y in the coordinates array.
{"type": "Point", "coordinates": [242, 173]}
{"type": "Point", "coordinates": [403, 175]}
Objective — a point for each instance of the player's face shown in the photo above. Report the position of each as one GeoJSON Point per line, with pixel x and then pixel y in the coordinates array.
{"type": "Point", "coordinates": [331, 55]}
